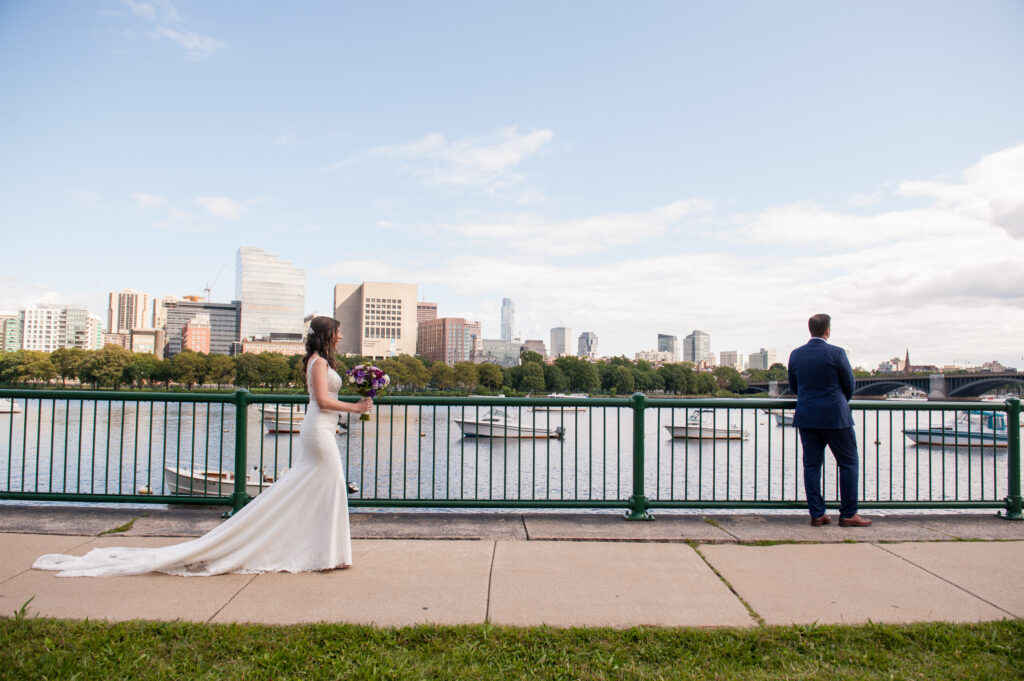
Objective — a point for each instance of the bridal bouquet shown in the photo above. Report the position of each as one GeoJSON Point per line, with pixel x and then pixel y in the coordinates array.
{"type": "Point", "coordinates": [369, 381]}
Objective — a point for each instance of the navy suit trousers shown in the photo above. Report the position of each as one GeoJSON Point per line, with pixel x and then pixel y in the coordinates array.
{"type": "Point", "coordinates": [843, 443]}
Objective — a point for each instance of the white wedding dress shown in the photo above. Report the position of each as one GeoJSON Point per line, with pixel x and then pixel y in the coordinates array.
{"type": "Point", "coordinates": [298, 524]}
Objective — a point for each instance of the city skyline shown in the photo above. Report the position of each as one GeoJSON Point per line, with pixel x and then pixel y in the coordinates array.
{"type": "Point", "coordinates": [727, 168]}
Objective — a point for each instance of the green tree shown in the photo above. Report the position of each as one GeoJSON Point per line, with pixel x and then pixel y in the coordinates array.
{"type": "Point", "coordinates": [68, 362]}
{"type": "Point", "coordinates": [220, 370]}
{"type": "Point", "coordinates": [38, 367]}
{"type": "Point", "coordinates": [705, 384]}
{"type": "Point", "coordinates": [533, 377]}
{"type": "Point", "coordinates": [163, 372]}
{"type": "Point", "coordinates": [189, 368]}
{"type": "Point", "coordinates": [491, 376]}
{"type": "Point", "coordinates": [466, 375]}
{"type": "Point", "coordinates": [142, 368]}
{"type": "Point", "coordinates": [581, 375]}
{"type": "Point", "coordinates": [274, 369]}
{"type": "Point", "coordinates": [10, 366]}
{"type": "Point", "coordinates": [416, 373]}
{"type": "Point", "coordinates": [624, 381]}
{"type": "Point", "coordinates": [555, 379]}
{"type": "Point", "coordinates": [247, 370]}
{"type": "Point", "coordinates": [442, 376]}
{"type": "Point", "coordinates": [107, 367]}
{"type": "Point", "coordinates": [728, 378]}
{"type": "Point", "coordinates": [528, 356]}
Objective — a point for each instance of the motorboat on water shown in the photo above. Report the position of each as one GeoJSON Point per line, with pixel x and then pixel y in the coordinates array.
{"type": "Point", "coordinates": [282, 420]}
{"type": "Point", "coordinates": [205, 483]}
{"type": "Point", "coordinates": [561, 408]}
{"type": "Point", "coordinates": [971, 429]}
{"type": "Point", "coordinates": [700, 425]}
{"type": "Point", "coordinates": [783, 419]}
{"type": "Point", "coordinates": [499, 422]}
{"type": "Point", "coordinates": [9, 407]}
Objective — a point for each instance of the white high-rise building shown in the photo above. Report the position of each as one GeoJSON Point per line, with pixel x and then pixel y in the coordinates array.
{"type": "Point", "coordinates": [49, 327]}
{"type": "Point", "coordinates": [588, 345]}
{"type": "Point", "coordinates": [508, 319]}
{"type": "Point", "coordinates": [560, 341]}
{"type": "Point", "coordinates": [668, 344]}
{"type": "Point", "coordinates": [377, 319]}
{"type": "Point", "coordinates": [126, 310]}
{"type": "Point", "coordinates": [272, 293]}
{"type": "Point", "coordinates": [731, 358]}
{"type": "Point", "coordinates": [697, 348]}
{"type": "Point", "coordinates": [762, 360]}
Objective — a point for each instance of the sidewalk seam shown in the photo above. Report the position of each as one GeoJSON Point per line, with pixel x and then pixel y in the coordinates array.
{"type": "Point", "coordinates": [753, 613]}
{"type": "Point", "coordinates": [490, 581]}
{"type": "Point", "coordinates": [940, 577]}
{"type": "Point", "coordinates": [526, 529]}
{"type": "Point", "coordinates": [233, 597]}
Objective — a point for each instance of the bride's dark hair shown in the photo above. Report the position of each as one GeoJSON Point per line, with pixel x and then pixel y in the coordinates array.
{"type": "Point", "coordinates": [318, 342]}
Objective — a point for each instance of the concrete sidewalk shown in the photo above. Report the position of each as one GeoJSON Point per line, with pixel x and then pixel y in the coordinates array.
{"type": "Point", "coordinates": [565, 569]}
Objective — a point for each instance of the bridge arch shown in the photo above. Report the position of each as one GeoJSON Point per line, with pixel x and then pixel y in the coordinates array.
{"type": "Point", "coordinates": [981, 386]}
{"type": "Point", "coordinates": [880, 388]}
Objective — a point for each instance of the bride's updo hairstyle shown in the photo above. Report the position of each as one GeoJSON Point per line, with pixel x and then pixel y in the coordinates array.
{"type": "Point", "coordinates": [318, 342]}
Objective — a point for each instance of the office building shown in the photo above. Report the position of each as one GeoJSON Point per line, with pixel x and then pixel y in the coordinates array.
{"type": "Point", "coordinates": [49, 327]}
{"type": "Point", "coordinates": [121, 340]}
{"type": "Point", "coordinates": [761, 360]}
{"type": "Point", "coordinates": [588, 345]}
{"type": "Point", "coordinates": [160, 310]}
{"type": "Point", "coordinates": [508, 319]}
{"type": "Point", "coordinates": [281, 343]}
{"type": "Point", "coordinates": [126, 310]}
{"type": "Point", "coordinates": [272, 294]}
{"type": "Point", "coordinates": [669, 344]}
{"type": "Point", "coordinates": [496, 351]}
{"type": "Point", "coordinates": [224, 324]}
{"type": "Point", "coordinates": [731, 358]}
{"type": "Point", "coordinates": [560, 340]}
{"type": "Point", "coordinates": [377, 319]}
{"type": "Point", "coordinates": [697, 349]}
{"type": "Point", "coordinates": [655, 357]}
{"type": "Point", "coordinates": [148, 341]}
{"type": "Point", "coordinates": [535, 346]}
{"type": "Point", "coordinates": [10, 331]}
{"type": "Point", "coordinates": [425, 312]}
{"type": "Point", "coordinates": [196, 334]}
{"type": "Point", "coordinates": [447, 339]}
{"type": "Point", "coordinates": [94, 333]}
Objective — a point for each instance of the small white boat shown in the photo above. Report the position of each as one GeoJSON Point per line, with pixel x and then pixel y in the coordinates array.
{"type": "Point", "coordinates": [971, 429]}
{"type": "Point", "coordinates": [9, 407]}
{"type": "Point", "coordinates": [497, 422]}
{"type": "Point", "coordinates": [203, 483]}
{"type": "Point", "coordinates": [283, 420]}
{"type": "Point", "coordinates": [559, 408]}
{"type": "Point", "coordinates": [701, 426]}
{"type": "Point", "coordinates": [783, 419]}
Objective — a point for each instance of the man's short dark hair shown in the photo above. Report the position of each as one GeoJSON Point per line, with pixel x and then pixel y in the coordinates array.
{"type": "Point", "coordinates": [819, 324]}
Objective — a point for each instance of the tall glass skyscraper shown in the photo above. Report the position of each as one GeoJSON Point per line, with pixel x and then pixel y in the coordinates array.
{"type": "Point", "coordinates": [272, 293]}
{"type": "Point", "coordinates": [508, 319]}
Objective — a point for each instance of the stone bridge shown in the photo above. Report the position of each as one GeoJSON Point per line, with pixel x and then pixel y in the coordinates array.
{"type": "Point", "coordinates": [937, 386]}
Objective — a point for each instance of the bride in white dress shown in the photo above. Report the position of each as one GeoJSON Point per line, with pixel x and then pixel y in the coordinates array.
{"type": "Point", "coordinates": [298, 524]}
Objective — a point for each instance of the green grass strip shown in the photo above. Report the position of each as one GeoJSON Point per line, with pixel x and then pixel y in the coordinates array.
{"type": "Point", "coordinates": [37, 648]}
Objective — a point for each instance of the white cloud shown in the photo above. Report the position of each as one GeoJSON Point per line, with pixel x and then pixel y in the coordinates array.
{"type": "Point", "coordinates": [197, 45]}
{"type": "Point", "coordinates": [221, 206]}
{"type": "Point", "coordinates": [489, 161]}
{"type": "Point", "coordinates": [149, 200]}
{"type": "Point", "coordinates": [534, 234]}
{"type": "Point", "coordinates": [287, 138]}
{"type": "Point", "coordinates": [992, 190]}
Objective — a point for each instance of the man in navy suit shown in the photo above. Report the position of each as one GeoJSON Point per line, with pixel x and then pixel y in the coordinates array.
{"type": "Point", "coordinates": [821, 377]}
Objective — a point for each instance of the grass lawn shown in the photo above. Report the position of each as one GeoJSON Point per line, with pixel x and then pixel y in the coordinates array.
{"type": "Point", "coordinates": [37, 648]}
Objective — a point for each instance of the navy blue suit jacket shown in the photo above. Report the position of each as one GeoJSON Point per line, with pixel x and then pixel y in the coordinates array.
{"type": "Point", "coordinates": [822, 379]}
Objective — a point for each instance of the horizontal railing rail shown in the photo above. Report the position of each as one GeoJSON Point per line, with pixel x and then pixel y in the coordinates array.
{"type": "Point", "coordinates": [635, 453]}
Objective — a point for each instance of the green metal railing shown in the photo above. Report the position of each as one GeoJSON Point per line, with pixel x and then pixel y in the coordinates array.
{"type": "Point", "coordinates": [633, 453]}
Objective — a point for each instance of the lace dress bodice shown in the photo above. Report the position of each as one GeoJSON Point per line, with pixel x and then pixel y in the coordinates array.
{"type": "Point", "coordinates": [319, 416]}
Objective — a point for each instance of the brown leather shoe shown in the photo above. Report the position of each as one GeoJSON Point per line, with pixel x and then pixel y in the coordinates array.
{"type": "Point", "coordinates": [854, 521]}
{"type": "Point", "coordinates": [823, 520]}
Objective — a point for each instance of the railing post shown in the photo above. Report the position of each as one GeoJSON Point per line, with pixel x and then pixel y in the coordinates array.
{"type": "Point", "coordinates": [1013, 500]}
{"type": "Point", "coordinates": [638, 502]}
{"type": "Point", "coordinates": [240, 497]}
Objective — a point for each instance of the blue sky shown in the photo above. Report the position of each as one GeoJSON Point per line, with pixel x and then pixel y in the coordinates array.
{"type": "Point", "coordinates": [621, 168]}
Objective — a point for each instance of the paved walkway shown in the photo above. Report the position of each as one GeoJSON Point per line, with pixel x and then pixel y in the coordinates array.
{"type": "Point", "coordinates": [564, 569]}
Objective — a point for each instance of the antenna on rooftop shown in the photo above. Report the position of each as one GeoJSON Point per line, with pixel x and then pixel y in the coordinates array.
{"type": "Point", "coordinates": [209, 286]}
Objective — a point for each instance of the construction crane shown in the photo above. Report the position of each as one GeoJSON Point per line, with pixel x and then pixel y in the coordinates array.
{"type": "Point", "coordinates": [209, 286]}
